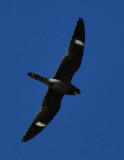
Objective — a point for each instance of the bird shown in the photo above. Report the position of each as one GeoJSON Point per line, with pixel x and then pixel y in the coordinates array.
{"type": "Point", "coordinates": [60, 84]}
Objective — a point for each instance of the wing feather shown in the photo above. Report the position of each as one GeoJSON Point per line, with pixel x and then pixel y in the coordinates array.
{"type": "Point", "coordinates": [72, 60]}
{"type": "Point", "coordinates": [50, 106]}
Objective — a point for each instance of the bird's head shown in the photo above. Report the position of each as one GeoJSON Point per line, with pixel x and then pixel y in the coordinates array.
{"type": "Point", "coordinates": [76, 90]}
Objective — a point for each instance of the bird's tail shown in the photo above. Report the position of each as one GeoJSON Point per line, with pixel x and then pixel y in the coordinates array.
{"type": "Point", "coordinates": [39, 77]}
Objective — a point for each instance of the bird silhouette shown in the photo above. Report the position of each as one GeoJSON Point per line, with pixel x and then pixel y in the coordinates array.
{"type": "Point", "coordinates": [60, 84]}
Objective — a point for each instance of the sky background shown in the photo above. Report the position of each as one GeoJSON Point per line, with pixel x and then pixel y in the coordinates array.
{"type": "Point", "coordinates": [34, 36]}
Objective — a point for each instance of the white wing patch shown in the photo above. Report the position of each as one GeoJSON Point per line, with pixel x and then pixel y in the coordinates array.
{"type": "Point", "coordinates": [78, 42]}
{"type": "Point", "coordinates": [39, 124]}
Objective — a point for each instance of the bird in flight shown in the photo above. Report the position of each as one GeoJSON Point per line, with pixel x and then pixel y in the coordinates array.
{"type": "Point", "coordinates": [60, 84]}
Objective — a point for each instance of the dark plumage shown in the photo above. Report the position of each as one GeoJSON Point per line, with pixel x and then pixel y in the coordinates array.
{"type": "Point", "coordinates": [60, 84]}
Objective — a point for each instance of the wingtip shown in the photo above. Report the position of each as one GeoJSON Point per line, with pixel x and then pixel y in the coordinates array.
{"type": "Point", "coordinates": [79, 32]}
{"type": "Point", "coordinates": [80, 19]}
{"type": "Point", "coordinates": [24, 139]}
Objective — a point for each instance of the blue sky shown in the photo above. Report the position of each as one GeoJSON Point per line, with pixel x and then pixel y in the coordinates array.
{"type": "Point", "coordinates": [34, 36]}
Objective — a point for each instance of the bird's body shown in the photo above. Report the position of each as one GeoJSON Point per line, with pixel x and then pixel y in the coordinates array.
{"type": "Point", "coordinates": [60, 84]}
{"type": "Point", "coordinates": [62, 87]}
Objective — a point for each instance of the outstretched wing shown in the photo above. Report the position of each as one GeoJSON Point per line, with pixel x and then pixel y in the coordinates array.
{"type": "Point", "coordinates": [72, 60]}
{"type": "Point", "coordinates": [50, 106]}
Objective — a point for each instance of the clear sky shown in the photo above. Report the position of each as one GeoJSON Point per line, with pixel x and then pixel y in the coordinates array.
{"type": "Point", "coordinates": [34, 36]}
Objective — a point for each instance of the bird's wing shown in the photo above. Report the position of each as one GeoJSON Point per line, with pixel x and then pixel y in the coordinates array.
{"type": "Point", "coordinates": [50, 106]}
{"type": "Point", "coordinates": [72, 60]}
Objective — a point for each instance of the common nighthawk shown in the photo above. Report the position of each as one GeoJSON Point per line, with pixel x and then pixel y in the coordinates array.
{"type": "Point", "coordinates": [60, 84]}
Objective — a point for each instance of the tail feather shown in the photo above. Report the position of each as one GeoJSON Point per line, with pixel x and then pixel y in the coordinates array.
{"type": "Point", "coordinates": [38, 77]}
